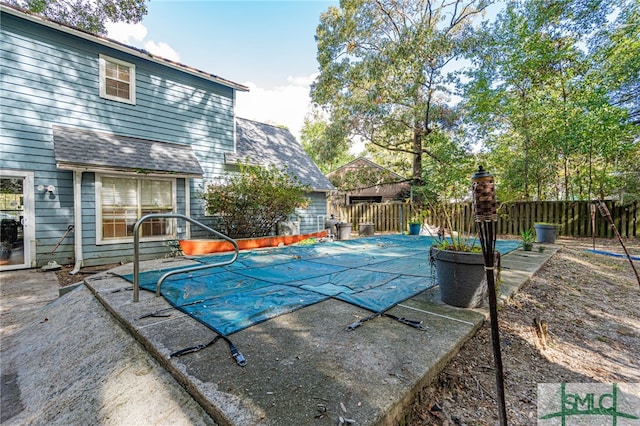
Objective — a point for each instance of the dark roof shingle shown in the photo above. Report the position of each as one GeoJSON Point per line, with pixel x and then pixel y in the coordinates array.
{"type": "Point", "coordinates": [264, 144]}
{"type": "Point", "coordinates": [90, 149]}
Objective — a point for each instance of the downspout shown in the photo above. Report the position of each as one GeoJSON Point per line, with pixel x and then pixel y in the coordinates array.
{"type": "Point", "coordinates": [77, 217]}
{"type": "Point", "coordinates": [187, 207]}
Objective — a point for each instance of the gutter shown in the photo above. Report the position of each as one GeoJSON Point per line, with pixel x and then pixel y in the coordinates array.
{"type": "Point", "coordinates": [79, 168]}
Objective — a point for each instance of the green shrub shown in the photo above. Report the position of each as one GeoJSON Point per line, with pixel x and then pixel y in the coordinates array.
{"type": "Point", "coordinates": [252, 202]}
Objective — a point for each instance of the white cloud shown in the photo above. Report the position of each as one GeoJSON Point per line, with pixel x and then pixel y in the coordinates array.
{"type": "Point", "coordinates": [303, 81]}
{"type": "Point", "coordinates": [285, 105]}
{"type": "Point", "coordinates": [282, 105]}
{"type": "Point", "coordinates": [135, 34]}
{"type": "Point", "coordinates": [162, 49]}
{"type": "Point", "coordinates": [126, 33]}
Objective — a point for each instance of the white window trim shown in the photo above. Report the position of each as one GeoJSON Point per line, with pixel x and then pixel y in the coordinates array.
{"type": "Point", "coordinates": [132, 84]}
{"type": "Point", "coordinates": [98, 197]}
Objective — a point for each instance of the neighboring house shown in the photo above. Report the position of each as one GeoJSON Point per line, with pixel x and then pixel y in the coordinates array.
{"type": "Point", "coordinates": [363, 181]}
{"type": "Point", "coordinates": [94, 134]}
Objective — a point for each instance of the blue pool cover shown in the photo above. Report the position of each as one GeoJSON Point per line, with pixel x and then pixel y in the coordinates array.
{"type": "Point", "coordinates": [608, 253]}
{"type": "Point", "coordinates": [374, 273]}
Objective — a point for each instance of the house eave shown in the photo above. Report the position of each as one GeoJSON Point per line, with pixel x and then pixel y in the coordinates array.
{"type": "Point", "coordinates": [118, 170]}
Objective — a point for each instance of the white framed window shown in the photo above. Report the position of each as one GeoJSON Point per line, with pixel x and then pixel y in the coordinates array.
{"type": "Point", "coordinates": [122, 200]}
{"type": "Point", "coordinates": [117, 80]}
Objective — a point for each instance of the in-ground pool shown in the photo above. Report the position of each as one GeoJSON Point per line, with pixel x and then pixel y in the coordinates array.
{"type": "Point", "coordinates": [374, 273]}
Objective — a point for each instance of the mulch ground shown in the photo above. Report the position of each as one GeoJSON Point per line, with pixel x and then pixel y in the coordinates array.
{"type": "Point", "coordinates": [589, 303]}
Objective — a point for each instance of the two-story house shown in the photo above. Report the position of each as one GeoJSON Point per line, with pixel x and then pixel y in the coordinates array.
{"type": "Point", "coordinates": [95, 134]}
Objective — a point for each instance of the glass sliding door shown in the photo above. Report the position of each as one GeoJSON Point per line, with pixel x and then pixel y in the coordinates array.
{"type": "Point", "coordinates": [16, 219]}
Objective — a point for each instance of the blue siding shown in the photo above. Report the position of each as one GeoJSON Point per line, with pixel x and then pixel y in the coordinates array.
{"type": "Point", "coordinates": [51, 78]}
{"type": "Point", "coordinates": [309, 217]}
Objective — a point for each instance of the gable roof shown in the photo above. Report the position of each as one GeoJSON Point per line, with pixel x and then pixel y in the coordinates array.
{"type": "Point", "coordinates": [90, 150]}
{"type": "Point", "coordinates": [363, 162]}
{"type": "Point", "coordinates": [264, 144]}
{"type": "Point", "coordinates": [140, 53]}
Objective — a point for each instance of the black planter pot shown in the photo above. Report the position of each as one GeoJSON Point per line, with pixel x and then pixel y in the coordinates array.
{"type": "Point", "coordinates": [461, 277]}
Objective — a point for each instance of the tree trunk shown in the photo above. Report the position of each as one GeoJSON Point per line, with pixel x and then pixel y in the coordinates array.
{"type": "Point", "coordinates": [566, 177]}
{"type": "Point", "coordinates": [417, 158]}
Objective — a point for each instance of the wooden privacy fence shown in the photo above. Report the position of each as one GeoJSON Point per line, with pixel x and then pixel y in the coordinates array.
{"type": "Point", "coordinates": [572, 217]}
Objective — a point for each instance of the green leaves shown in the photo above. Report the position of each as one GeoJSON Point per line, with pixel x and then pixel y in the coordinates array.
{"type": "Point", "coordinates": [87, 15]}
{"type": "Point", "coordinates": [326, 143]}
{"type": "Point", "coordinates": [382, 70]}
{"type": "Point", "coordinates": [253, 201]}
{"type": "Point", "coordinates": [543, 102]}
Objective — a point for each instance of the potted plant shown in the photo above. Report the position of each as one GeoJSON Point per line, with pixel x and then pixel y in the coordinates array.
{"type": "Point", "coordinates": [415, 223]}
{"type": "Point", "coordinates": [527, 239]}
{"type": "Point", "coordinates": [545, 232]}
{"type": "Point", "coordinates": [459, 271]}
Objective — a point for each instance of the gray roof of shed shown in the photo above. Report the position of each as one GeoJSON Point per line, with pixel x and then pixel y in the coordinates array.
{"type": "Point", "coordinates": [86, 149]}
{"type": "Point", "coordinates": [264, 144]}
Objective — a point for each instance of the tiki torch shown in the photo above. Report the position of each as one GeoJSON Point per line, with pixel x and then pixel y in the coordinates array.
{"type": "Point", "coordinates": [485, 208]}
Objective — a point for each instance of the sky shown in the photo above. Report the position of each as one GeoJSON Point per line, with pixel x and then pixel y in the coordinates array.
{"type": "Point", "coordinates": [266, 45]}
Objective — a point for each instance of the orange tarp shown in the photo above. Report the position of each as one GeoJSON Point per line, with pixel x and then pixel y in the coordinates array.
{"type": "Point", "coordinates": [199, 247]}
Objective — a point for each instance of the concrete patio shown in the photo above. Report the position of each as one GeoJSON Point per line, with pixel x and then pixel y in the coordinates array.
{"type": "Point", "coordinates": [303, 367]}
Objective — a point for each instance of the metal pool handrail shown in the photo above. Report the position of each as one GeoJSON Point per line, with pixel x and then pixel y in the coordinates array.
{"type": "Point", "coordinates": [136, 251]}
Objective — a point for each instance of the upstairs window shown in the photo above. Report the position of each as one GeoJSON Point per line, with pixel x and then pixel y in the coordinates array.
{"type": "Point", "coordinates": [117, 80]}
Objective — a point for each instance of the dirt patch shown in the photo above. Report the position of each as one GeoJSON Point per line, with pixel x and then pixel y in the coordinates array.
{"type": "Point", "coordinates": [589, 303]}
{"type": "Point", "coordinates": [65, 278]}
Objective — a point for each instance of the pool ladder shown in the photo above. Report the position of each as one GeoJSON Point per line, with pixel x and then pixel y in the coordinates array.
{"type": "Point", "coordinates": [136, 251]}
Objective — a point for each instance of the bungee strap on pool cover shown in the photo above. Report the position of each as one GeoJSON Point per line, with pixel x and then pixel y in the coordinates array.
{"type": "Point", "coordinates": [402, 320]}
{"type": "Point", "coordinates": [163, 313]}
{"type": "Point", "coordinates": [235, 353]}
